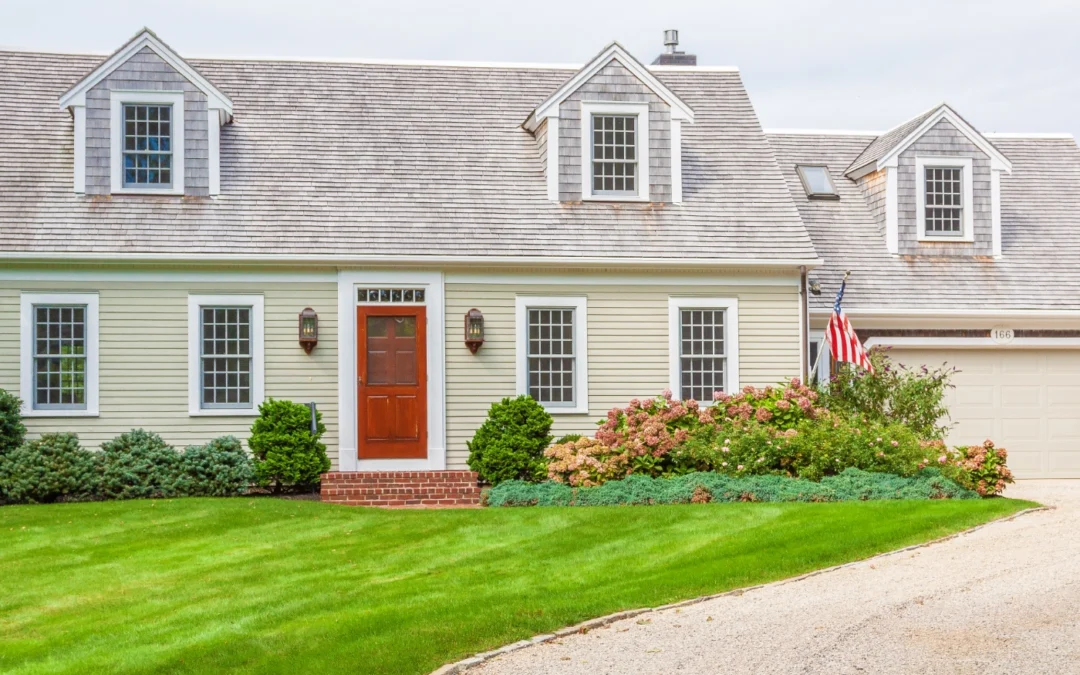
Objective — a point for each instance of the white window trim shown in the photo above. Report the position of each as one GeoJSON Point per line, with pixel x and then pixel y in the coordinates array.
{"type": "Point", "coordinates": [116, 138]}
{"type": "Point", "coordinates": [26, 351]}
{"type": "Point", "coordinates": [258, 374]}
{"type": "Point", "coordinates": [731, 339]}
{"type": "Point", "coordinates": [581, 347]}
{"type": "Point", "coordinates": [822, 374]}
{"type": "Point", "coordinates": [964, 163]}
{"type": "Point", "coordinates": [348, 283]}
{"type": "Point", "coordinates": [590, 108]}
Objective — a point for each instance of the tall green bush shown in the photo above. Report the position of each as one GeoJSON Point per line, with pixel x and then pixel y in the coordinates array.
{"type": "Point", "coordinates": [893, 394]}
{"type": "Point", "coordinates": [285, 451]}
{"type": "Point", "coordinates": [139, 465]}
{"type": "Point", "coordinates": [221, 468]}
{"type": "Point", "coordinates": [510, 444]}
{"type": "Point", "coordinates": [12, 431]}
{"type": "Point", "coordinates": [51, 468]}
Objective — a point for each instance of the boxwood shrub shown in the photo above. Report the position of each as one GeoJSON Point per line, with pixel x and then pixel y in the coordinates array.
{"type": "Point", "coordinates": [12, 431]}
{"type": "Point", "coordinates": [510, 444]}
{"type": "Point", "coordinates": [286, 453]}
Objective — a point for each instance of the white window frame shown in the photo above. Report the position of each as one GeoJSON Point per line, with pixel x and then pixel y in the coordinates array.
{"type": "Point", "coordinates": [26, 352]}
{"type": "Point", "coordinates": [523, 303]}
{"type": "Point", "coordinates": [966, 165]}
{"type": "Point", "coordinates": [731, 339]}
{"type": "Point", "coordinates": [258, 374]}
{"type": "Point", "coordinates": [823, 373]}
{"type": "Point", "coordinates": [118, 100]}
{"type": "Point", "coordinates": [641, 110]}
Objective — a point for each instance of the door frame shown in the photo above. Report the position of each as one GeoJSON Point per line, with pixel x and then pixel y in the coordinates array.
{"type": "Point", "coordinates": [348, 283]}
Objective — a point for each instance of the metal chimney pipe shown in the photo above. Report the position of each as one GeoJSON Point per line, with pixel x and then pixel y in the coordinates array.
{"type": "Point", "coordinates": [671, 40]}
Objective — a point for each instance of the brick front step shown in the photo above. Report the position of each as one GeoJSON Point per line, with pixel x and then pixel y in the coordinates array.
{"type": "Point", "coordinates": [431, 489]}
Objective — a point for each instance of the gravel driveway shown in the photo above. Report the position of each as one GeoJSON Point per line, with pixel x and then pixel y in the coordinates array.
{"type": "Point", "coordinates": [1003, 599]}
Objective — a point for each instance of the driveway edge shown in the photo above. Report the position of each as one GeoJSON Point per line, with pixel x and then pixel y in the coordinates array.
{"type": "Point", "coordinates": [591, 624]}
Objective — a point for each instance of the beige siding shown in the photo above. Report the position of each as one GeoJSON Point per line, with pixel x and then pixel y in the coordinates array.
{"type": "Point", "coordinates": [143, 352]}
{"type": "Point", "coordinates": [628, 353]}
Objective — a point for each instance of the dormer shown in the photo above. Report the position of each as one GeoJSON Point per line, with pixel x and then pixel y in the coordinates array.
{"type": "Point", "coordinates": [147, 123]}
{"type": "Point", "coordinates": [612, 133]}
{"type": "Point", "coordinates": [935, 182]}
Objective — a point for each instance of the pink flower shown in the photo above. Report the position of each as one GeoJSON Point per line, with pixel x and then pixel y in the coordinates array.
{"type": "Point", "coordinates": [796, 382]}
{"type": "Point", "coordinates": [783, 404]}
{"type": "Point", "coordinates": [725, 449]}
{"type": "Point", "coordinates": [723, 463]}
{"type": "Point", "coordinates": [763, 415]}
{"type": "Point", "coordinates": [895, 443]}
{"type": "Point", "coordinates": [942, 459]}
{"type": "Point", "coordinates": [740, 467]}
{"type": "Point", "coordinates": [666, 394]}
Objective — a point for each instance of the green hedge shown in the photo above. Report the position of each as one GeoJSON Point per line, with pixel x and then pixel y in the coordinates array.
{"type": "Point", "coordinates": [850, 485]}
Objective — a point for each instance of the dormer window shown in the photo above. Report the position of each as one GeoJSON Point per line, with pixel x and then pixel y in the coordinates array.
{"type": "Point", "coordinates": [147, 145]}
{"type": "Point", "coordinates": [615, 151]}
{"type": "Point", "coordinates": [945, 190]}
{"type": "Point", "coordinates": [816, 181]}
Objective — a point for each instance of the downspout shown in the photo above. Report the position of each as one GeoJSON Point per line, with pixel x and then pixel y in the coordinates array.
{"type": "Point", "coordinates": [804, 324]}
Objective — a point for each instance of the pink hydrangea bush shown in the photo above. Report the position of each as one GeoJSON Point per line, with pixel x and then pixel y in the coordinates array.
{"type": "Point", "coordinates": [980, 468]}
{"type": "Point", "coordinates": [586, 462]}
{"type": "Point", "coordinates": [779, 407]}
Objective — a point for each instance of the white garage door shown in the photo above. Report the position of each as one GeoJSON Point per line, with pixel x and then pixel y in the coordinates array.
{"type": "Point", "coordinates": [1026, 401]}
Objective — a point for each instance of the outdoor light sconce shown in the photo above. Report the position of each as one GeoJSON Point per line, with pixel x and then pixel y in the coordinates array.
{"type": "Point", "coordinates": [309, 329]}
{"type": "Point", "coordinates": [474, 330]}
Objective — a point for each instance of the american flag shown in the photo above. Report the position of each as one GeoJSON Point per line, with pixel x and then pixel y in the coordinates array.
{"type": "Point", "coordinates": [843, 341]}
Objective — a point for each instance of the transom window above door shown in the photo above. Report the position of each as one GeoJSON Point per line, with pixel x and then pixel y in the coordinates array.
{"type": "Point", "coordinates": [391, 295]}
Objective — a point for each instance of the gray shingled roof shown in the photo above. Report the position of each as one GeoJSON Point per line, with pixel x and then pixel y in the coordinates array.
{"type": "Point", "coordinates": [884, 143]}
{"type": "Point", "coordinates": [376, 159]}
{"type": "Point", "coordinates": [1040, 221]}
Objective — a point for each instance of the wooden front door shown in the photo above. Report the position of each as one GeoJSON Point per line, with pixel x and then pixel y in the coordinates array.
{"type": "Point", "coordinates": [392, 382]}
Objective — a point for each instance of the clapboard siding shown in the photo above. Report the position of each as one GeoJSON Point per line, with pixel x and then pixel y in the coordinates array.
{"type": "Point", "coordinates": [944, 140]}
{"type": "Point", "coordinates": [143, 357]}
{"type": "Point", "coordinates": [627, 334]}
{"type": "Point", "coordinates": [146, 71]}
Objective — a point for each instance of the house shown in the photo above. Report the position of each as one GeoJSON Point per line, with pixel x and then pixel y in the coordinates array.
{"type": "Point", "coordinates": [182, 238]}
{"type": "Point", "coordinates": [964, 250]}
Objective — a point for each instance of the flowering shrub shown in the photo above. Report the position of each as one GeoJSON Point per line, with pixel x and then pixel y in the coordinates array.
{"type": "Point", "coordinates": [586, 462]}
{"type": "Point", "coordinates": [980, 468]}
{"type": "Point", "coordinates": [780, 407]}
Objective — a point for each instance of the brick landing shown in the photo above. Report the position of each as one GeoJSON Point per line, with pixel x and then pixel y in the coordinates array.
{"type": "Point", "coordinates": [401, 488]}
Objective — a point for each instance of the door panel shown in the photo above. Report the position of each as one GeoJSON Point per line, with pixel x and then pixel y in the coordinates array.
{"type": "Point", "coordinates": [392, 385]}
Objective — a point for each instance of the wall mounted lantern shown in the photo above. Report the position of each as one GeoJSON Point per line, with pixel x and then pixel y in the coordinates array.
{"type": "Point", "coordinates": [474, 329]}
{"type": "Point", "coordinates": [309, 329]}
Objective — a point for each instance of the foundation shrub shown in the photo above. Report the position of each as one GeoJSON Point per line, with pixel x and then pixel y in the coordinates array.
{"type": "Point", "coordinates": [50, 469]}
{"type": "Point", "coordinates": [221, 468]}
{"type": "Point", "coordinates": [510, 444]}
{"type": "Point", "coordinates": [977, 467]}
{"type": "Point", "coordinates": [139, 465]}
{"type": "Point", "coordinates": [286, 453]}
{"type": "Point", "coordinates": [12, 431]}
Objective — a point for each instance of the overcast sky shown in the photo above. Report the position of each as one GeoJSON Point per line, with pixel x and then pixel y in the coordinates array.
{"type": "Point", "coordinates": [1005, 65]}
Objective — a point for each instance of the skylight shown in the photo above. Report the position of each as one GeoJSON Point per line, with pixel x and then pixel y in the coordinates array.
{"type": "Point", "coordinates": [817, 182]}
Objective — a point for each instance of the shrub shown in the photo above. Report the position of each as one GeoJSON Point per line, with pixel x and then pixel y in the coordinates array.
{"type": "Point", "coordinates": [568, 438]}
{"type": "Point", "coordinates": [893, 394]}
{"type": "Point", "coordinates": [510, 444]}
{"type": "Point", "coordinates": [285, 451]}
{"type": "Point", "coordinates": [850, 485]}
{"type": "Point", "coordinates": [51, 468]}
{"type": "Point", "coordinates": [221, 468]}
{"type": "Point", "coordinates": [980, 468]}
{"type": "Point", "coordinates": [585, 462]}
{"type": "Point", "coordinates": [12, 431]}
{"type": "Point", "coordinates": [139, 465]}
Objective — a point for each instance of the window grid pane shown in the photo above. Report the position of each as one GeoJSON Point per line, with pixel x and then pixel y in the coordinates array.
{"type": "Point", "coordinates": [148, 145]}
{"type": "Point", "coordinates": [614, 148]}
{"type": "Point", "coordinates": [551, 355]}
{"type": "Point", "coordinates": [226, 357]}
{"type": "Point", "coordinates": [60, 356]}
{"type": "Point", "coordinates": [944, 207]}
{"type": "Point", "coordinates": [702, 357]}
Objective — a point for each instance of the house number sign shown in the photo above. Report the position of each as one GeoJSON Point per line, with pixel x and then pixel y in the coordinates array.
{"type": "Point", "coordinates": [1002, 335]}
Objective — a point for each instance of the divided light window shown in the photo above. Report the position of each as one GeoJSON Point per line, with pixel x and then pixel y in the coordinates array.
{"type": "Point", "coordinates": [226, 357]}
{"type": "Point", "coordinates": [552, 360]}
{"type": "Point", "coordinates": [147, 145]}
{"type": "Point", "coordinates": [944, 201]}
{"type": "Point", "coordinates": [702, 358]}
{"type": "Point", "coordinates": [614, 153]}
{"type": "Point", "coordinates": [60, 357]}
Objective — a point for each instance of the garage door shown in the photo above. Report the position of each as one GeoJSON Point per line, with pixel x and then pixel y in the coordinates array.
{"type": "Point", "coordinates": [1027, 401]}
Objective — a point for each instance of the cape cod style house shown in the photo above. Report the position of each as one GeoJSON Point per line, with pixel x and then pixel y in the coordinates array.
{"type": "Point", "coordinates": [404, 243]}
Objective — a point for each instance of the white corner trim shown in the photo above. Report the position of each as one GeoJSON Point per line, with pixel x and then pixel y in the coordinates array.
{"type": "Point", "coordinates": [997, 160]}
{"type": "Point", "coordinates": [824, 357]}
{"type": "Point", "coordinates": [590, 108]}
{"type": "Point", "coordinates": [613, 52]}
{"type": "Point", "coordinates": [213, 129]}
{"type": "Point", "coordinates": [348, 281]}
{"type": "Point", "coordinates": [553, 168]}
{"type": "Point", "coordinates": [731, 338]}
{"type": "Point", "coordinates": [76, 96]}
{"type": "Point", "coordinates": [579, 304]}
{"type": "Point", "coordinates": [892, 209]}
{"type": "Point", "coordinates": [965, 163]}
{"type": "Point", "coordinates": [79, 115]}
{"type": "Point", "coordinates": [258, 370]}
{"type": "Point", "coordinates": [972, 343]}
{"type": "Point", "coordinates": [995, 211]}
{"type": "Point", "coordinates": [116, 139]}
{"type": "Point", "coordinates": [676, 161]}
{"type": "Point", "coordinates": [26, 351]}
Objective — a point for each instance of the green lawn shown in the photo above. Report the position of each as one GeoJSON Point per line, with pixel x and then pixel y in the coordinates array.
{"type": "Point", "coordinates": [267, 585]}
